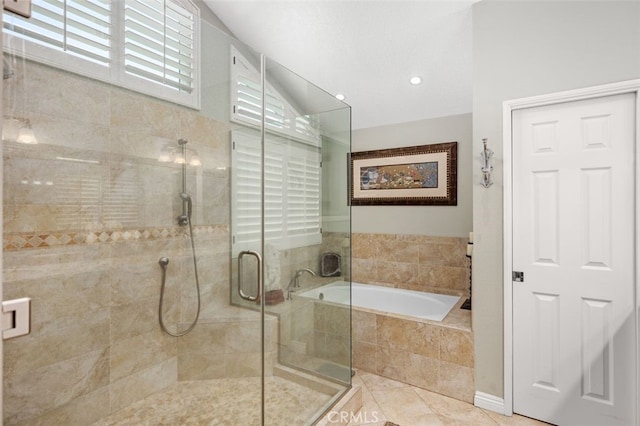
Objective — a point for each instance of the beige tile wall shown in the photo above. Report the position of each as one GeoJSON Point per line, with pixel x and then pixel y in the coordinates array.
{"type": "Point", "coordinates": [83, 239]}
{"type": "Point", "coordinates": [426, 354]}
{"type": "Point", "coordinates": [227, 348]}
{"type": "Point", "coordinates": [431, 355]}
{"type": "Point", "coordinates": [412, 262]}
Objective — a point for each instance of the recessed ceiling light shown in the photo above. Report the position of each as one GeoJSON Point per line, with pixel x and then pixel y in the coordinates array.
{"type": "Point", "coordinates": [415, 80]}
{"type": "Point", "coordinates": [340, 97]}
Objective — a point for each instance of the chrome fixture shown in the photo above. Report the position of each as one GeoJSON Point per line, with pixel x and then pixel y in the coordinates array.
{"type": "Point", "coordinates": [164, 263]}
{"type": "Point", "coordinates": [294, 283]}
{"type": "Point", "coordinates": [187, 204]}
{"type": "Point", "coordinates": [259, 282]}
{"type": "Point", "coordinates": [487, 165]}
{"type": "Point", "coordinates": [183, 219]}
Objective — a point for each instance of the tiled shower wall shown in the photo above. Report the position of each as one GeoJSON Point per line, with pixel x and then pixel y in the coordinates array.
{"type": "Point", "coordinates": [412, 262]}
{"type": "Point", "coordinates": [88, 212]}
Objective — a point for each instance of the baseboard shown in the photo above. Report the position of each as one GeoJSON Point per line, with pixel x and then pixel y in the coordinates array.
{"type": "Point", "coordinates": [489, 402]}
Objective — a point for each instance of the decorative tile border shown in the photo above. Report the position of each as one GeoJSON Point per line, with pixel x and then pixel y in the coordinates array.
{"type": "Point", "coordinates": [23, 241]}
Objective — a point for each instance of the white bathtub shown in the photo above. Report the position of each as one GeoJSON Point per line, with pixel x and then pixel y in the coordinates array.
{"type": "Point", "coordinates": [394, 300]}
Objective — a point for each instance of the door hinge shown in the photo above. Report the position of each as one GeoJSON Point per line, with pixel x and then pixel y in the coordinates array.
{"type": "Point", "coordinates": [517, 276]}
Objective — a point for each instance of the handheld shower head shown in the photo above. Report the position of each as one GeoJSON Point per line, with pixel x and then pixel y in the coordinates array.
{"type": "Point", "coordinates": [187, 198]}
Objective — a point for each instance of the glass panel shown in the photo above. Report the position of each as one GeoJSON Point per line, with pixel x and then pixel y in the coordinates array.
{"type": "Point", "coordinates": [312, 254]}
{"type": "Point", "coordinates": [109, 193]}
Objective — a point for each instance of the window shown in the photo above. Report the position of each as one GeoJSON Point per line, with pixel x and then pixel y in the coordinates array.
{"type": "Point", "coordinates": [292, 176]}
{"type": "Point", "coordinates": [150, 46]}
{"type": "Point", "coordinates": [280, 116]}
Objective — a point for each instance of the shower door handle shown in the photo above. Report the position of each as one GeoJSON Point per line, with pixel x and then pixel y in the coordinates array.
{"type": "Point", "coordinates": [259, 259]}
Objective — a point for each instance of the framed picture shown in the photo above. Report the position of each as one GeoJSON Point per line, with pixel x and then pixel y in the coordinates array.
{"type": "Point", "coordinates": [416, 175]}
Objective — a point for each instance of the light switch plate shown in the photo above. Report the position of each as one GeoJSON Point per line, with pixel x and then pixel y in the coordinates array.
{"type": "Point", "coordinates": [20, 7]}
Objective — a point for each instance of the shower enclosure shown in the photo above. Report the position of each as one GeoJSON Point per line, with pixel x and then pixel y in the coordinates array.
{"type": "Point", "coordinates": [98, 100]}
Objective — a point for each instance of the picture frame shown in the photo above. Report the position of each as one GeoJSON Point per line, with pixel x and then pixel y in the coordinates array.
{"type": "Point", "coordinates": [415, 175]}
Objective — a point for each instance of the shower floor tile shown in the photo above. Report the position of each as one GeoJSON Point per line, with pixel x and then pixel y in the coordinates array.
{"type": "Point", "coordinates": [223, 402]}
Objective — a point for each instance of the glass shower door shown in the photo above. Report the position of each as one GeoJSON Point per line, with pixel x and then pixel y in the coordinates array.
{"type": "Point", "coordinates": [286, 213]}
{"type": "Point", "coordinates": [306, 217]}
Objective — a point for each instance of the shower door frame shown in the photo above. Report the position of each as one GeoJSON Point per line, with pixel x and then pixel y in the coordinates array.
{"type": "Point", "coordinates": [262, 237]}
{"type": "Point", "coordinates": [1, 229]}
{"type": "Point", "coordinates": [259, 297]}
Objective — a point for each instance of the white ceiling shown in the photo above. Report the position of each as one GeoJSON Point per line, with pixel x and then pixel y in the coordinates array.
{"type": "Point", "coordinates": [367, 50]}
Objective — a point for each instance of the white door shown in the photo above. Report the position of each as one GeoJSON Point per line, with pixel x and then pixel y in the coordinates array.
{"type": "Point", "coordinates": [573, 240]}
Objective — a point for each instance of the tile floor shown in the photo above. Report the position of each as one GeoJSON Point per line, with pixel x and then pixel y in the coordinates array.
{"type": "Point", "coordinates": [385, 400]}
{"type": "Point", "coordinates": [225, 402]}
{"type": "Point", "coordinates": [222, 402]}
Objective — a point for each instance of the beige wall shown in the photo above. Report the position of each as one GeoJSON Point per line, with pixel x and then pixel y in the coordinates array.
{"type": "Point", "coordinates": [443, 221]}
{"type": "Point", "coordinates": [522, 49]}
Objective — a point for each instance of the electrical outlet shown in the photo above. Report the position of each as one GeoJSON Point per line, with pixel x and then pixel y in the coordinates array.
{"type": "Point", "coordinates": [20, 7]}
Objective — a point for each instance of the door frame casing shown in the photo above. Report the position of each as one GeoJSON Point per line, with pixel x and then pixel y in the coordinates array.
{"type": "Point", "coordinates": [508, 107]}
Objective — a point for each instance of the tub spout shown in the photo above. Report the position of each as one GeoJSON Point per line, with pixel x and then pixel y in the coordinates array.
{"type": "Point", "coordinates": [294, 283]}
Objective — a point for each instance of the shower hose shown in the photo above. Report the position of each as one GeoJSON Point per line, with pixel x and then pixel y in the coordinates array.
{"type": "Point", "coordinates": [163, 263]}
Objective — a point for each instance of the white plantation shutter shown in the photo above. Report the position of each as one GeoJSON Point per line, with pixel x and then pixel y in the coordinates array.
{"type": "Point", "coordinates": [81, 28]}
{"type": "Point", "coordinates": [88, 29]}
{"type": "Point", "coordinates": [248, 104]}
{"type": "Point", "coordinates": [150, 46]}
{"type": "Point", "coordinates": [160, 42]}
{"type": "Point", "coordinates": [246, 190]}
{"type": "Point", "coordinates": [280, 116]}
{"type": "Point", "coordinates": [292, 192]}
{"type": "Point", "coordinates": [275, 196]}
{"type": "Point", "coordinates": [303, 194]}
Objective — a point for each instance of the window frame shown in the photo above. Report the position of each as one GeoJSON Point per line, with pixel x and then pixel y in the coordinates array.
{"type": "Point", "coordinates": [114, 72]}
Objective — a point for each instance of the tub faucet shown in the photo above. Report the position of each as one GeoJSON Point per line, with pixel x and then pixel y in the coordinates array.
{"type": "Point", "coordinates": [293, 284]}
